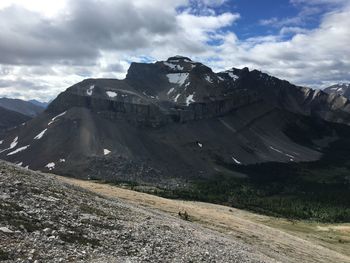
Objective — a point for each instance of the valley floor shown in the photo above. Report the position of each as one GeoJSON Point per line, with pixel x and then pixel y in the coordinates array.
{"type": "Point", "coordinates": [279, 239]}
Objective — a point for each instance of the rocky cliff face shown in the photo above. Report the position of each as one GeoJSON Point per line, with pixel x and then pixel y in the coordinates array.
{"type": "Point", "coordinates": [175, 90]}
{"type": "Point", "coordinates": [179, 90]}
{"type": "Point", "coordinates": [341, 89]}
{"type": "Point", "coordinates": [174, 120]}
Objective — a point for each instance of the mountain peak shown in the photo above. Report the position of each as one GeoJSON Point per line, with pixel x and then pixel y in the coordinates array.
{"type": "Point", "coordinates": [179, 58]}
{"type": "Point", "coordinates": [342, 89]}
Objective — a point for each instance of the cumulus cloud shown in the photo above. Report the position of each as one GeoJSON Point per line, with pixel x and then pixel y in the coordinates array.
{"type": "Point", "coordinates": [44, 50]}
{"type": "Point", "coordinates": [314, 57]}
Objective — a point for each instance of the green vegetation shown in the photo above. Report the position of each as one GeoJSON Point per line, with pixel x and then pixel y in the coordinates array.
{"type": "Point", "coordinates": [317, 190]}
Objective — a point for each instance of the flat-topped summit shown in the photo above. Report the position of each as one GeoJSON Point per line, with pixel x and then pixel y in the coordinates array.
{"type": "Point", "coordinates": [174, 120]}
{"type": "Point", "coordinates": [179, 58]}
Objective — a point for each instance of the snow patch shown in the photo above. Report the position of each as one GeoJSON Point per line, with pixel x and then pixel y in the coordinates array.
{"type": "Point", "coordinates": [200, 144]}
{"type": "Point", "coordinates": [220, 78]}
{"type": "Point", "coordinates": [40, 135]}
{"type": "Point", "coordinates": [62, 160]}
{"type": "Point", "coordinates": [235, 160]}
{"type": "Point", "coordinates": [18, 150]}
{"type": "Point", "coordinates": [50, 166]}
{"type": "Point", "coordinates": [170, 91]}
{"type": "Point", "coordinates": [1, 142]}
{"type": "Point", "coordinates": [190, 99]}
{"type": "Point", "coordinates": [56, 117]}
{"type": "Point", "coordinates": [20, 164]}
{"type": "Point", "coordinates": [286, 154]}
{"type": "Point", "coordinates": [12, 145]}
{"type": "Point", "coordinates": [111, 94]}
{"type": "Point", "coordinates": [177, 78]}
{"type": "Point", "coordinates": [173, 66]}
{"type": "Point", "coordinates": [106, 151]}
{"type": "Point", "coordinates": [176, 98]}
{"type": "Point", "coordinates": [233, 76]}
{"type": "Point", "coordinates": [208, 78]}
{"type": "Point", "coordinates": [89, 91]}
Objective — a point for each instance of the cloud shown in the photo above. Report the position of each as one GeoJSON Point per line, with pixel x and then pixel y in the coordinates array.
{"type": "Point", "coordinates": [42, 52]}
{"type": "Point", "coordinates": [313, 57]}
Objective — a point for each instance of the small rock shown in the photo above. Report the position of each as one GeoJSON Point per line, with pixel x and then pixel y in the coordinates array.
{"type": "Point", "coordinates": [6, 230]}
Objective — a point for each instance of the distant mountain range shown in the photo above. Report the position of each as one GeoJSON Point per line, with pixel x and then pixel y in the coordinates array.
{"type": "Point", "coordinates": [39, 103]}
{"type": "Point", "coordinates": [174, 124]}
{"type": "Point", "coordinates": [342, 89]}
{"type": "Point", "coordinates": [9, 119]}
{"type": "Point", "coordinates": [29, 108]}
{"type": "Point", "coordinates": [15, 111]}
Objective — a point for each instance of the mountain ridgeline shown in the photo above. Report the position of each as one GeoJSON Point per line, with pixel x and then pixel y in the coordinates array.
{"type": "Point", "coordinates": [342, 89]}
{"type": "Point", "coordinates": [178, 126]}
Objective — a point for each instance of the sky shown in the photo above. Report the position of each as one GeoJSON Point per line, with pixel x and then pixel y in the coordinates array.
{"type": "Point", "coordinates": [47, 46]}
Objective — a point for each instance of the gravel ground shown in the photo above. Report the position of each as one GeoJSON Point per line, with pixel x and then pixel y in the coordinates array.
{"type": "Point", "coordinates": [45, 220]}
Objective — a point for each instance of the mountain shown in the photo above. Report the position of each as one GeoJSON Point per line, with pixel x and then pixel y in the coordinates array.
{"type": "Point", "coordinates": [173, 120]}
{"type": "Point", "coordinates": [21, 106]}
{"type": "Point", "coordinates": [39, 103]}
{"type": "Point", "coordinates": [342, 89]}
{"type": "Point", "coordinates": [192, 133]}
{"type": "Point", "coordinates": [10, 119]}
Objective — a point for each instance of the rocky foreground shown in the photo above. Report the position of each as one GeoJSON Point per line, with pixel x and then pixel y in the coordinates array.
{"type": "Point", "coordinates": [45, 220]}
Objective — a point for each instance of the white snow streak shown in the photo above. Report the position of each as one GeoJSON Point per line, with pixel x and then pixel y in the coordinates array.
{"type": "Point", "coordinates": [54, 118]}
{"type": "Point", "coordinates": [235, 160]}
{"type": "Point", "coordinates": [176, 98]}
{"type": "Point", "coordinates": [200, 144]}
{"type": "Point", "coordinates": [12, 145]}
{"type": "Point", "coordinates": [177, 78]}
{"type": "Point", "coordinates": [18, 150]}
{"type": "Point", "coordinates": [1, 142]}
{"type": "Point", "coordinates": [106, 151]}
{"type": "Point", "coordinates": [170, 91]}
{"type": "Point", "coordinates": [286, 154]}
{"type": "Point", "coordinates": [40, 135]}
{"type": "Point", "coordinates": [62, 160]}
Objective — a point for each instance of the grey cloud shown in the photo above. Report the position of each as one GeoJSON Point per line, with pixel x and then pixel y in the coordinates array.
{"type": "Point", "coordinates": [78, 37]}
{"type": "Point", "coordinates": [117, 67]}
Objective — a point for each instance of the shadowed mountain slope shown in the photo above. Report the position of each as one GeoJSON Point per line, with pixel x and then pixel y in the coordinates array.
{"type": "Point", "coordinates": [174, 121]}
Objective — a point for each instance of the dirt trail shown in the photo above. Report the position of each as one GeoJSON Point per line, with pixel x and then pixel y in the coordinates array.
{"type": "Point", "coordinates": [284, 240]}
